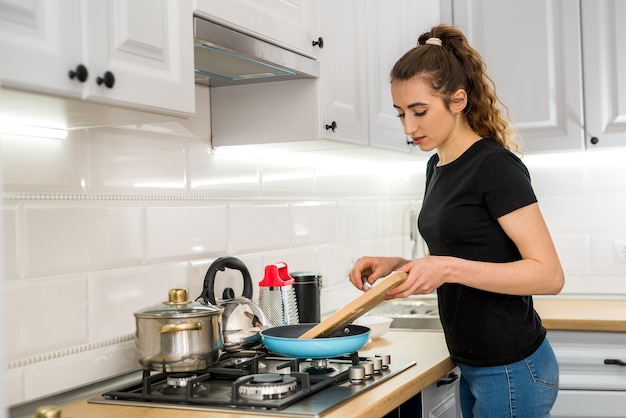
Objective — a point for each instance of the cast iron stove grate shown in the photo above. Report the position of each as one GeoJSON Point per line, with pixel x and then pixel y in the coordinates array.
{"type": "Point", "coordinates": [219, 386]}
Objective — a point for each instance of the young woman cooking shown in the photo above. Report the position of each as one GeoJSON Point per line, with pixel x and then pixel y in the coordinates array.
{"type": "Point", "coordinates": [489, 247]}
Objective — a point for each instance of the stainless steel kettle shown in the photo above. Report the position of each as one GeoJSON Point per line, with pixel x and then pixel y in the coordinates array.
{"type": "Point", "coordinates": [242, 319]}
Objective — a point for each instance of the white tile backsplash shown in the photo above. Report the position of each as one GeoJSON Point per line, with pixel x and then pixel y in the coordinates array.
{"type": "Point", "coordinates": [216, 173]}
{"type": "Point", "coordinates": [11, 257]}
{"type": "Point", "coordinates": [66, 236]}
{"type": "Point", "coordinates": [44, 315]}
{"type": "Point", "coordinates": [313, 222]}
{"type": "Point", "coordinates": [134, 161]}
{"type": "Point", "coordinates": [203, 232]}
{"type": "Point", "coordinates": [43, 165]}
{"type": "Point", "coordinates": [255, 226]}
{"type": "Point", "coordinates": [106, 222]}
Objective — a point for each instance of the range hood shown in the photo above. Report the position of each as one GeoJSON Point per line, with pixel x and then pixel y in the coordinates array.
{"type": "Point", "coordinates": [226, 57]}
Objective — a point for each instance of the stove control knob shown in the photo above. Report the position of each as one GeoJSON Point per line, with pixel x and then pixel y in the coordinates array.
{"type": "Point", "coordinates": [386, 359]}
{"type": "Point", "coordinates": [369, 369]}
{"type": "Point", "coordinates": [49, 411]}
{"type": "Point", "coordinates": [356, 374]}
{"type": "Point", "coordinates": [378, 364]}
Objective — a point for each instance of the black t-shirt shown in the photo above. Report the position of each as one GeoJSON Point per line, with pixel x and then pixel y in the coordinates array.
{"type": "Point", "coordinates": [462, 202]}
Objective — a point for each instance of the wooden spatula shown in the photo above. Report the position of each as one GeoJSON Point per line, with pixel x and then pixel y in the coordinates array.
{"type": "Point", "coordinates": [357, 307]}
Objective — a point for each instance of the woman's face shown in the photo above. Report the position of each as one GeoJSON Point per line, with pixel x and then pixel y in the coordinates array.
{"type": "Point", "coordinates": [425, 117]}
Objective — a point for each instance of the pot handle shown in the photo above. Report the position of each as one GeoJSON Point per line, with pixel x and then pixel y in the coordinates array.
{"type": "Point", "coordinates": [185, 326]}
{"type": "Point", "coordinates": [222, 263]}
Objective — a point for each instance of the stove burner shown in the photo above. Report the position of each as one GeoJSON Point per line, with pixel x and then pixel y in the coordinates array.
{"type": "Point", "coordinates": [267, 386]}
{"type": "Point", "coordinates": [179, 379]}
{"type": "Point", "coordinates": [320, 366]}
{"type": "Point", "coordinates": [177, 384]}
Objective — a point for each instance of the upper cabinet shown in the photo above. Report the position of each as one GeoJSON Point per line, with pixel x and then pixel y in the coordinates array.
{"type": "Point", "coordinates": [537, 51]}
{"type": "Point", "coordinates": [604, 69]}
{"type": "Point", "coordinates": [132, 53]}
{"type": "Point", "coordinates": [351, 102]}
{"type": "Point", "coordinates": [366, 38]}
{"type": "Point", "coordinates": [343, 83]}
{"type": "Point", "coordinates": [292, 24]}
{"type": "Point", "coordinates": [392, 29]}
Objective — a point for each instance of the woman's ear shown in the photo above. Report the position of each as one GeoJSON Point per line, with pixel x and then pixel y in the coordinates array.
{"type": "Point", "coordinates": [458, 101]}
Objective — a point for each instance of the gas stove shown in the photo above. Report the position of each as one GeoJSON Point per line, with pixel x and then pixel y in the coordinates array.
{"type": "Point", "coordinates": [261, 383]}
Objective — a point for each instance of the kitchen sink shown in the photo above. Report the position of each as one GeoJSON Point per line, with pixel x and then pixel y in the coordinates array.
{"type": "Point", "coordinates": [410, 313]}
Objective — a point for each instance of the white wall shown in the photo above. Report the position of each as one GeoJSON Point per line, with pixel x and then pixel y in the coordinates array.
{"type": "Point", "coordinates": [106, 221]}
{"type": "Point", "coordinates": [583, 198]}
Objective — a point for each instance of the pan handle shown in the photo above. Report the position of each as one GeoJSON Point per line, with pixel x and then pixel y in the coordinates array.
{"type": "Point", "coordinates": [221, 264]}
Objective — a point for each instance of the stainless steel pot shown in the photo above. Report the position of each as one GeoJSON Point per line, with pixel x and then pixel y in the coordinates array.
{"type": "Point", "coordinates": [243, 319]}
{"type": "Point", "coordinates": [179, 335]}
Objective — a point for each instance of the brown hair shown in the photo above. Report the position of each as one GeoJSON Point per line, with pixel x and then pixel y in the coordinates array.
{"type": "Point", "coordinates": [454, 65]}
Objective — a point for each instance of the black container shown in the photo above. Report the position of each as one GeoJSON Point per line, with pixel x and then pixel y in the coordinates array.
{"type": "Point", "coordinates": [308, 287]}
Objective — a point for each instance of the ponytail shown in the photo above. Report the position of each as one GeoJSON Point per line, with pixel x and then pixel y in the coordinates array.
{"type": "Point", "coordinates": [444, 58]}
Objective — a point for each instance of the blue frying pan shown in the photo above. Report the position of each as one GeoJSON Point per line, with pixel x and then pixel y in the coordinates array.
{"type": "Point", "coordinates": [284, 341]}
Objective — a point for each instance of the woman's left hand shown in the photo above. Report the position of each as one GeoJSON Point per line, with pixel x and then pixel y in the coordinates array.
{"type": "Point", "coordinates": [424, 276]}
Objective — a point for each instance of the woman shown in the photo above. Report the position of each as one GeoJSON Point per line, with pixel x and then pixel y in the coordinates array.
{"type": "Point", "coordinates": [489, 247]}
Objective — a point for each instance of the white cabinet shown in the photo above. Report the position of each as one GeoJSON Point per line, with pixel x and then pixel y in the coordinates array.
{"type": "Point", "coordinates": [43, 43]}
{"type": "Point", "coordinates": [393, 29]}
{"type": "Point", "coordinates": [131, 53]}
{"type": "Point", "coordinates": [293, 24]}
{"type": "Point", "coordinates": [604, 69]}
{"type": "Point", "coordinates": [351, 102]}
{"type": "Point", "coordinates": [557, 65]}
{"type": "Point", "coordinates": [368, 37]}
{"type": "Point", "coordinates": [440, 400]}
{"type": "Point", "coordinates": [533, 53]}
{"type": "Point", "coordinates": [343, 72]}
{"type": "Point", "coordinates": [592, 373]}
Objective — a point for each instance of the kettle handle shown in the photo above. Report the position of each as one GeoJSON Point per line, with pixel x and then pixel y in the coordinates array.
{"type": "Point", "coordinates": [222, 263]}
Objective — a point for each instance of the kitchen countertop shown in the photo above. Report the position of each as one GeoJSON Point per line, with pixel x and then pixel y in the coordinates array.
{"type": "Point", "coordinates": [426, 348]}
{"type": "Point", "coordinates": [574, 314]}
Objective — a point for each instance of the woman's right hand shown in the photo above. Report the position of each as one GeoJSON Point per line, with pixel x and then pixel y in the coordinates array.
{"type": "Point", "coordinates": [373, 268]}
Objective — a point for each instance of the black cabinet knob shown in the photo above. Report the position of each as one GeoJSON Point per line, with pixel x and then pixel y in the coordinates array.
{"type": "Point", "coordinates": [332, 126]}
{"type": "Point", "coordinates": [79, 73]}
{"type": "Point", "coordinates": [108, 79]}
{"type": "Point", "coordinates": [594, 140]}
{"type": "Point", "coordinates": [319, 42]}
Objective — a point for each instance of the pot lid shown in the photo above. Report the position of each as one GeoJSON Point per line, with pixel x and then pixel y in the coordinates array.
{"type": "Point", "coordinates": [178, 304]}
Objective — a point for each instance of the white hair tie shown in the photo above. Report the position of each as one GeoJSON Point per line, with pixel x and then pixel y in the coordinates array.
{"type": "Point", "coordinates": [434, 41]}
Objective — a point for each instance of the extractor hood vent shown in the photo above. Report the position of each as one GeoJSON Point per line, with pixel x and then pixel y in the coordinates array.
{"type": "Point", "coordinates": [225, 57]}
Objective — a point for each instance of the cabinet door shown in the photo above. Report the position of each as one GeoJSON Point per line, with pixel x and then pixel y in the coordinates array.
{"type": "Point", "coordinates": [533, 53]}
{"type": "Point", "coordinates": [440, 400]}
{"type": "Point", "coordinates": [604, 63]}
{"type": "Point", "coordinates": [293, 24]}
{"type": "Point", "coordinates": [393, 29]}
{"type": "Point", "coordinates": [147, 46]}
{"type": "Point", "coordinates": [40, 43]}
{"type": "Point", "coordinates": [589, 385]}
{"type": "Point", "coordinates": [343, 71]}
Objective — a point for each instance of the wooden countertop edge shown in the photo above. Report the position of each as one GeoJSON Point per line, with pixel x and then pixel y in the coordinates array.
{"type": "Point", "coordinates": [383, 399]}
{"type": "Point", "coordinates": [584, 325]}
{"type": "Point", "coordinates": [582, 314]}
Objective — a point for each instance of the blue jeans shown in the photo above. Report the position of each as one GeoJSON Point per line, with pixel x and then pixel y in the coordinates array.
{"type": "Point", "coordinates": [525, 389]}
